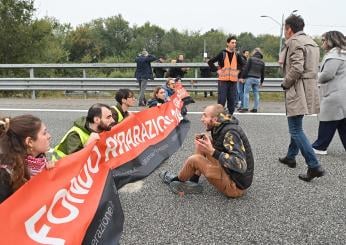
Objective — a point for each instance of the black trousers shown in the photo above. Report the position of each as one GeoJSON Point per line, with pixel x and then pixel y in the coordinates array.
{"type": "Point", "coordinates": [326, 131]}
{"type": "Point", "coordinates": [227, 91]}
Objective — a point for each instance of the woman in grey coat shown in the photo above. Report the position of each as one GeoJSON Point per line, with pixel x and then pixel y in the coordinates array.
{"type": "Point", "coordinates": [332, 83]}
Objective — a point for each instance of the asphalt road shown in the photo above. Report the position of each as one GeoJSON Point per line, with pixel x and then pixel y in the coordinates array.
{"type": "Point", "coordinates": [277, 209]}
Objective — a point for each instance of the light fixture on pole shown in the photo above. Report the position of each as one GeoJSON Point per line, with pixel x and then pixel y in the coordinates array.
{"type": "Point", "coordinates": [281, 26]}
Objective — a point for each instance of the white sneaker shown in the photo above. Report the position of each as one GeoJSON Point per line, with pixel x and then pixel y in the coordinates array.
{"type": "Point", "coordinates": [238, 104]}
{"type": "Point", "coordinates": [319, 152]}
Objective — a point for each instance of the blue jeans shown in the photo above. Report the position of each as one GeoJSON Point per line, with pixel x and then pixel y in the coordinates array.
{"type": "Point", "coordinates": [227, 91]}
{"type": "Point", "coordinates": [300, 142]}
{"type": "Point", "coordinates": [253, 83]}
{"type": "Point", "coordinates": [240, 90]}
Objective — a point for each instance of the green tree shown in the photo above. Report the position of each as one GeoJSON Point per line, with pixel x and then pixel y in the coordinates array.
{"type": "Point", "coordinates": [171, 44]}
{"type": "Point", "coordinates": [82, 46]}
{"type": "Point", "coordinates": [246, 40]}
{"type": "Point", "coordinates": [112, 34]}
{"type": "Point", "coordinates": [15, 25]}
{"type": "Point", "coordinates": [192, 46]}
{"type": "Point", "coordinates": [149, 37]}
{"type": "Point", "coordinates": [270, 47]}
{"type": "Point", "coordinates": [48, 37]}
{"type": "Point", "coordinates": [215, 41]}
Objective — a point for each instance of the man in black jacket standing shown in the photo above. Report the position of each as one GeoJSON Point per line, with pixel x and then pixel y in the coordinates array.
{"type": "Point", "coordinates": [254, 76]}
{"type": "Point", "coordinates": [143, 74]}
{"type": "Point", "coordinates": [230, 65]}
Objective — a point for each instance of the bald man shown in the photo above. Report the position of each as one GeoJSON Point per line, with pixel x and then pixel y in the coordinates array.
{"type": "Point", "coordinates": [225, 158]}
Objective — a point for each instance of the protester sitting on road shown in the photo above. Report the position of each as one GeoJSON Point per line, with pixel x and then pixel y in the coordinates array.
{"type": "Point", "coordinates": [332, 83]}
{"type": "Point", "coordinates": [226, 160]}
{"type": "Point", "coordinates": [254, 76]}
{"type": "Point", "coordinates": [158, 97]}
{"type": "Point", "coordinates": [169, 87]}
{"type": "Point", "coordinates": [24, 140]}
{"type": "Point", "coordinates": [125, 98]}
{"type": "Point", "coordinates": [85, 130]}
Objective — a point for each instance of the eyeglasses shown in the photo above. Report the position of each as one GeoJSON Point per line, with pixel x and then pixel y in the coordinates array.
{"type": "Point", "coordinates": [323, 40]}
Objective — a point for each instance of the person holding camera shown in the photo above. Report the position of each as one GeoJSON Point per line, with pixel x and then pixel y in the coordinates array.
{"type": "Point", "coordinates": [225, 160]}
{"type": "Point", "coordinates": [143, 74]}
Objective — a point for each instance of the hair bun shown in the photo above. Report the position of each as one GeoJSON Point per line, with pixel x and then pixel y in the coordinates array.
{"type": "Point", "coordinates": [5, 124]}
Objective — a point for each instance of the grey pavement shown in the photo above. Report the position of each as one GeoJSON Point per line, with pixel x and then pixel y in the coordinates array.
{"type": "Point", "coordinates": [277, 209]}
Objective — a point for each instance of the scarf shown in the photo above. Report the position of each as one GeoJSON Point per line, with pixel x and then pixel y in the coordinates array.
{"type": "Point", "coordinates": [35, 164]}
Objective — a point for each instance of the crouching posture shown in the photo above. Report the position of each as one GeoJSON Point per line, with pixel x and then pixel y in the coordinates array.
{"type": "Point", "coordinates": [226, 160]}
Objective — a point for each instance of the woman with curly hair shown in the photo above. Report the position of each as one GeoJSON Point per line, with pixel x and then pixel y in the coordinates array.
{"type": "Point", "coordinates": [24, 140]}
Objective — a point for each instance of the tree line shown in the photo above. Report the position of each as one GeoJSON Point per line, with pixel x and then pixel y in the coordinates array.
{"type": "Point", "coordinates": [25, 39]}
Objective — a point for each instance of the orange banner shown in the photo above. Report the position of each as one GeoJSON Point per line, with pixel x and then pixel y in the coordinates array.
{"type": "Point", "coordinates": [57, 206]}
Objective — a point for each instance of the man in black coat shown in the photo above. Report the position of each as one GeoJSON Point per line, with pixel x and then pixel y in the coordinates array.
{"type": "Point", "coordinates": [143, 74]}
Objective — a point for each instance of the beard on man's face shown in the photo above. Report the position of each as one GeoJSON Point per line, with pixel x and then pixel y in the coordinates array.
{"type": "Point", "coordinates": [103, 127]}
{"type": "Point", "coordinates": [209, 125]}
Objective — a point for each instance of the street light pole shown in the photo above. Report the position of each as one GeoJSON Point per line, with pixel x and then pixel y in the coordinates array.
{"type": "Point", "coordinates": [281, 33]}
{"type": "Point", "coordinates": [281, 27]}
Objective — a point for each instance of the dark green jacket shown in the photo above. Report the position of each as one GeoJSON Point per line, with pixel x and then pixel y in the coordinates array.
{"type": "Point", "coordinates": [72, 142]}
{"type": "Point", "coordinates": [233, 150]}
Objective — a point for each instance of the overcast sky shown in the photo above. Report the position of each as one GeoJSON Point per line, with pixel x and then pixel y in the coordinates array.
{"type": "Point", "coordinates": [202, 15]}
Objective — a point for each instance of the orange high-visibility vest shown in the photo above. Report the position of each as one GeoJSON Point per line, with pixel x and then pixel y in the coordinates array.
{"type": "Point", "coordinates": [229, 72]}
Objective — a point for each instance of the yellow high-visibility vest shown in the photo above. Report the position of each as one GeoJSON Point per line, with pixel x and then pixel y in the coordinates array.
{"type": "Point", "coordinates": [120, 115]}
{"type": "Point", "coordinates": [57, 154]}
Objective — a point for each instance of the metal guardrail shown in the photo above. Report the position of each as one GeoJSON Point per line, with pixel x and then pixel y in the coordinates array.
{"type": "Point", "coordinates": [85, 83]}
{"type": "Point", "coordinates": [108, 84]}
{"type": "Point", "coordinates": [109, 65]}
